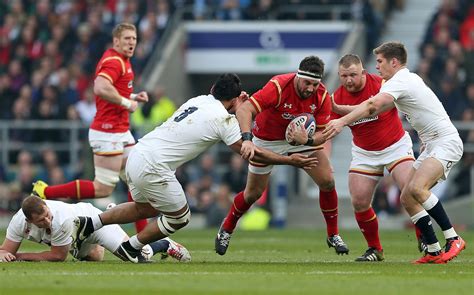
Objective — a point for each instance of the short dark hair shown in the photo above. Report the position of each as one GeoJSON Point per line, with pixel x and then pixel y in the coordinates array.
{"type": "Point", "coordinates": [393, 49]}
{"type": "Point", "coordinates": [32, 205]}
{"type": "Point", "coordinates": [227, 87]}
{"type": "Point", "coordinates": [312, 64]}
{"type": "Point", "coordinates": [349, 59]}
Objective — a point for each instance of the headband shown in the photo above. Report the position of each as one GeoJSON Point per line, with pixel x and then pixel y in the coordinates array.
{"type": "Point", "coordinates": [309, 75]}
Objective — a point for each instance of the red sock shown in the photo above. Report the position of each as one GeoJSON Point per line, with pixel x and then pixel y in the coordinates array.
{"type": "Point", "coordinates": [77, 189]}
{"type": "Point", "coordinates": [328, 204]}
{"type": "Point", "coordinates": [141, 223]}
{"type": "Point", "coordinates": [369, 226]}
{"type": "Point", "coordinates": [239, 207]}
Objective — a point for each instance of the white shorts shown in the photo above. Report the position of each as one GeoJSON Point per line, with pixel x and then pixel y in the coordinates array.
{"type": "Point", "coordinates": [372, 163]}
{"type": "Point", "coordinates": [154, 184]}
{"type": "Point", "coordinates": [110, 236]}
{"type": "Point", "coordinates": [110, 144]}
{"type": "Point", "coordinates": [447, 150]}
{"type": "Point", "coordinates": [281, 147]}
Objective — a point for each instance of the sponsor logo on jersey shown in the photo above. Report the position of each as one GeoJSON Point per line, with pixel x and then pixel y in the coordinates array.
{"type": "Point", "coordinates": [287, 105]}
{"type": "Point", "coordinates": [364, 120]}
{"type": "Point", "coordinates": [288, 116]}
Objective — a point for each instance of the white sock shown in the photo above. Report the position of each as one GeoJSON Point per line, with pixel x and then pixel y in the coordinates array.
{"type": "Point", "coordinates": [96, 222]}
{"type": "Point", "coordinates": [418, 215]}
{"type": "Point", "coordinates": [135, 243]}
{"type": "Point", "coordinates": [450, 233]}
{"type": "Point", "coordinates": [430, 202]}
{"type": "Point", "coordinates": [434, 247]}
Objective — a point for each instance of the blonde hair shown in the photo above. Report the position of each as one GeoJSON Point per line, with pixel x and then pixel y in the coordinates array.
{"type": "Point", "coordinates": [117, 31]}
{"type": "Point", "coordinates": [33, 205]}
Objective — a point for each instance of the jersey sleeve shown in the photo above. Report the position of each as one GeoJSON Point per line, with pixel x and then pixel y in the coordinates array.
{"type": "Point", "coordinates": [337, 100]}
{"type": "Point", "coordinates": [229, 132]}
{"type": "Point", "coordinates": [62, 236]}
{"type": "Point", "coordinates": [15, 228]}
{"type": "Point", "coordinates": [395, 87]}
{"type": "Point", "coordinates": [111, 68]}
{"type": "Point", "coordinates": [324, 113]}
{"type": "Point", "coordinates": [267, 97]}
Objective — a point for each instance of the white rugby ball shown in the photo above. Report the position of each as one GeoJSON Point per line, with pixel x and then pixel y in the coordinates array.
{"type": "Point", "coordinates": [307, 120]}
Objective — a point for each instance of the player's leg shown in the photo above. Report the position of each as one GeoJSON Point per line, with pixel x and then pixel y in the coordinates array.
{"type": "Point", "coordinates": [400, 172]}
{"type": "Point", "coordinates": [256, 184]}
{"type": "Point", "coordinates": [322, 175]}
{"type": "Point", "coordinates": [362, 189]}
{"type": "Point", "coordinates": [108, 161]}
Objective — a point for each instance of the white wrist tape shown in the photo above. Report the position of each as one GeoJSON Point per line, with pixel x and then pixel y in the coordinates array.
{"type": "Point", "coordinates": [126, 103]}
{"type": "Point", "coordinates": [133, 96]}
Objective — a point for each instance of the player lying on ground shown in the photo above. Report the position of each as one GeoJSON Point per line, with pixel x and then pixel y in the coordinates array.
{"type": "Point", "coordinates": [51, 223]}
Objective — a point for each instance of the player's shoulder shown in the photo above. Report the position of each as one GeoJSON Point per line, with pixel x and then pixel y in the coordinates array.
{"type": "Point", "coordinates": [283, 79]}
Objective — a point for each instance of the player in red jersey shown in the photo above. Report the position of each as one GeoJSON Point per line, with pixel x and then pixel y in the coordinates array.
{"type": "Point", "coordinates": [109, 134]}
{"type": "Point", "coordinates": [273, 107]}
{"type": "Point", "coordinates": [379, 142]}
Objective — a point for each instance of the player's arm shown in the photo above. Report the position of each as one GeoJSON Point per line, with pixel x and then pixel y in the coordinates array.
{"type": "Point", "coordinates": [245, 114]}
{"type": "Point", "coordinates": [369, 108]}
{"type": "Point", "coordinates": [8, 250]}
{"type": "Point", "coordinates": [340, 108]}
{"type": "Point", "coordinates": [106, 90]}
{"type": "Point", "coordinates": [265, 156]}
{"type": "Point", "coordinates": [56, 253]}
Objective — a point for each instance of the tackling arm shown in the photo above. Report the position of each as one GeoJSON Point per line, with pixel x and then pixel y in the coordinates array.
{"type": "Point", "coordinates": [56, 253]}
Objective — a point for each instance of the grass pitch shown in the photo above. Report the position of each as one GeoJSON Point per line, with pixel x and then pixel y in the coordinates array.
{"type": "Point", "coordinates": [264, 262]}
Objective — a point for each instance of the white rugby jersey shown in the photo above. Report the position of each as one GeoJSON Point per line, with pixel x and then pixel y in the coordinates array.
{"type": "Point", "coordinates": [419, 104]}
{"type": "Point", "coordinates": [198, 124]}
{"type": "Point", "coordinates": [60, 233]}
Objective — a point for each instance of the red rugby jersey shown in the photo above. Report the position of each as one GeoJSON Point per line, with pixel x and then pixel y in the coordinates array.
{"type": "Point", "coordinates": [374, 133]}
{"type": "Point", "coordinates": [117, 69]}
{"type": "Point", "coordinates": [277, 103]}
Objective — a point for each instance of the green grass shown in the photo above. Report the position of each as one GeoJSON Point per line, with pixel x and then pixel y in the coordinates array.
{"type": "Point", "coordinates": [266, 262]}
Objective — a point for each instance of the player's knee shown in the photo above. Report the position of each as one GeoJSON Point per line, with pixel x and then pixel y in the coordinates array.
{"type": "Point", "coordinates": [105, 181]}
{"type": "Point", "coordinates": [327, 185]}
{"type": "Point", "coordinates": [413, 191]}
{"type": "Point", "coordinates": [360, 204]}
{"type": "Point", "coordinates": [168, 225]}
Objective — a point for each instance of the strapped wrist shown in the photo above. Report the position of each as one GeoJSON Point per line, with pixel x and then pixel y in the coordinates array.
{"type": "Point", "coordinates": [133, 96]}
{"type": "Point", "coordinates": [126, 103]}
{"type": "Point", "coordinates": [247, 136]}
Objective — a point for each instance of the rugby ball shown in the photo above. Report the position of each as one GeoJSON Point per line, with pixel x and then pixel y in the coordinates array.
{"type": "Point", "coordinates": [306, 120]}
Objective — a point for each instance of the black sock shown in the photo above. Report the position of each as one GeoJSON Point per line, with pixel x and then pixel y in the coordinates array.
{"type": "Point", "coordinates": [126, 245]}
{"type": "Point", "coordinates": [425, 226]}
{"type": "Point", "coordinates": [160, 246]}
{"type": "Point", "coordinates": [440, 216]}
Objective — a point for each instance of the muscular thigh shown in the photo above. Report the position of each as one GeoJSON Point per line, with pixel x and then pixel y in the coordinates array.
{"type": "Point", "coordinates": [362, 188]}
{"type": "Point", "coordinates": [322, 174]}
{"type": "Point", "coordinates": [428, 174]}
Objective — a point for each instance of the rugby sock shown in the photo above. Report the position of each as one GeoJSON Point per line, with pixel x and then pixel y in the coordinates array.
{"type": "Point", "coordinates": [141, 223]}
{"type": "Point", "coordinates": [239, 207]}
{"type": "Point", "coordinates": [77, 189]}
{"type": "Point", "coordinates": [160, 246]}
{"type": "Point", "coordinates": [135, 243]}
{"type": "Point", "coordinates": [423, 222]}
{"type": "Point", "coordinates": [96, 222]}
{"type": "Point", "coordinates": [435, 209]}
{"type": "Point", "coordinates": [328, 205]}
{"type": "Point", "coordinates": [369, 226]}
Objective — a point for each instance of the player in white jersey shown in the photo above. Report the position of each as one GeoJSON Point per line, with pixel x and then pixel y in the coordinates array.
{"type": "Point", "coordinates": [51, 223]}
{"type": "Point", "coordinates": [197, 125]}
{"type": "Point", "coordinates": [442, 146]}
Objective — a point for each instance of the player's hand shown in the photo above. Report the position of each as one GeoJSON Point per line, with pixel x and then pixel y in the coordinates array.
{"type": "Point", "coordinates": [297, 134]}
{"type": "Point", "coordinates": [243, 96]}
{"type": "Point", "coordinates": [142, 96]}
{"type": "Point", "coordinates": [133, 106]}
{"type": "Point", "coordinates": [333, 128]}
{"type": "Point", "coordinates": [247, 151]}
{"type": "Point", "coordinates": [7, 257]}
{"type": "Point", "coordinates": [304, 161]}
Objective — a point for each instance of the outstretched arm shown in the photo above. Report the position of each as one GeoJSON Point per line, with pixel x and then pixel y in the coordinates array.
{"type": "Point", "coordinates": [56, 253]}
{"type": "Point", "coordinates": [369, 108]}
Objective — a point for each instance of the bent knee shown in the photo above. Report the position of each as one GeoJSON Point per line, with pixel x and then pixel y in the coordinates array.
{"type": "Point", "coordinates": [168, 225]}
{"type": "Point", "coordinates": [327, 185]}
{"type": "Point", "coordinates": [102, 190]}
{"type": "Point", "coordinates": [360, 204]}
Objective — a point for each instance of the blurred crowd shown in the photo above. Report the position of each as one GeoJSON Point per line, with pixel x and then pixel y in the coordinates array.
{"type": "Point", "coordinates": [49, 49]}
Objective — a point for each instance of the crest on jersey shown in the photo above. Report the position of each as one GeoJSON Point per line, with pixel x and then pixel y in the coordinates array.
{"type": "Point", "coordinates": [312, 107]}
